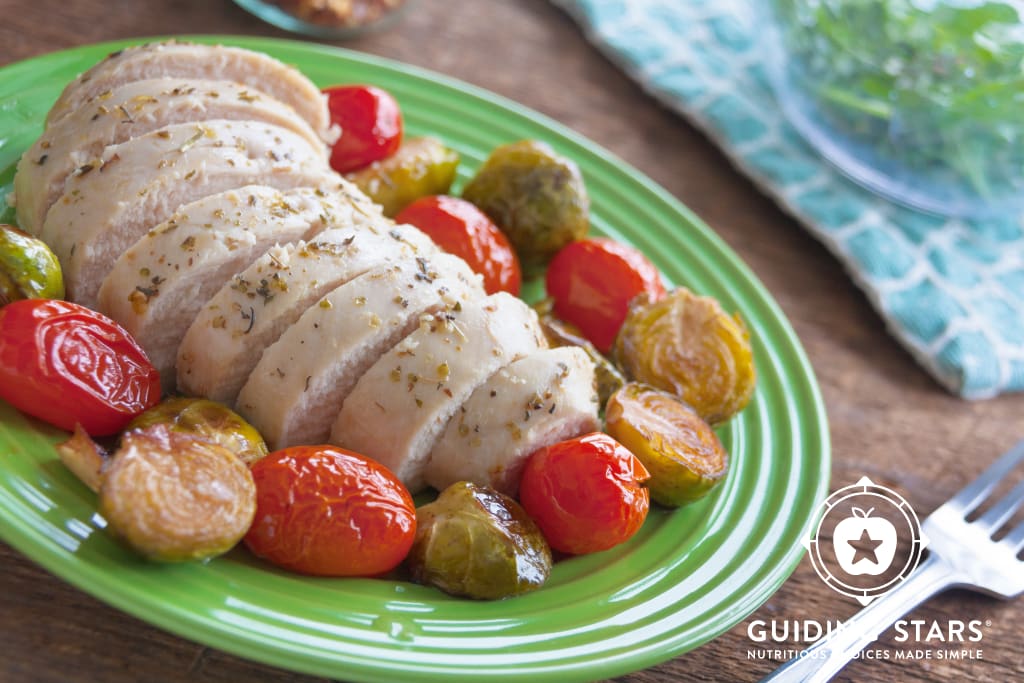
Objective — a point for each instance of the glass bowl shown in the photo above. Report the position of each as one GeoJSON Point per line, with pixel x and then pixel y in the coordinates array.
{"type": "Point", "coordinates": [327, 19]}
{"type": "Point", "coordinates": [918, 100]}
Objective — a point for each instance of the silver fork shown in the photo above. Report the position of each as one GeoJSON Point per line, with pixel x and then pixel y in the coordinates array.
{"type": "Point", "coordinates": [962, 554]}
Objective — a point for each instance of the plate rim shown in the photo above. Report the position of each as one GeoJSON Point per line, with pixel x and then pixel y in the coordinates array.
{"type": "Point", "coordinates": [55, 560]}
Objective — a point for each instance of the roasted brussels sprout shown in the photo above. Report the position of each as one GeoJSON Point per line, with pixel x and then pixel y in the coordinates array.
{"type": "Point", "coordinates": [476, 542]}
{"type": "Point", "coordinates": [212, 421]}
{"type": "Point", "coordinates": [687, 345]}
{"type": "Point", "coordinates": [679, 449]}
{"type": "Point", "coordinates": [560, 333]}
{"type": "Point", "coordinates": [174, 496]}
{"type": "Point", "coordinates": [536, 196]}
{"type": "Point", "coordinates": [420, 167]}
{"type": "Point", "coordinates": [28, 269]}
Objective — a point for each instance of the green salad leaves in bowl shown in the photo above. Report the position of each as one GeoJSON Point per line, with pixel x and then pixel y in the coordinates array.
{"type": "Point", "coordinates": [921, 101]}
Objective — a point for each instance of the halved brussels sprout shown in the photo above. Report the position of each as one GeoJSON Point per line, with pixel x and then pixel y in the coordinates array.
{"type": "Point", "coordinates": [688, 345]}
{"type": "Point", "coordinates": [84, 458]}
{"type": "Point", "coordinates": [174, 496]}
{"type": "Point", "coordinates": [475, 542]}
{"type": "Point", "coordinates": [420, 167]}
{"type": "Point", "coordinates": [680, 450]}
{"type": "Point", "coordinates": [536, 196]}
{"type": "Point", "coordinates": [213, 421]}
{"type": "Point", "coordinates": [28, 269]}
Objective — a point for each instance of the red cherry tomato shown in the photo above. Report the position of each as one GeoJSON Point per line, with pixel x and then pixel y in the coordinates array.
{"type": "Point", "coordinates": [586, 494]}
{"type": "Point", "coordinates": [592, 282]}
{"type": "Point", "coordinates": [68, 365]}
{"type": "Point", "coordinates": [460, 228]}
{"type": "Point", "coordinates": [327, 511]}
{"type": "Point", "coordinates": [370, 122]}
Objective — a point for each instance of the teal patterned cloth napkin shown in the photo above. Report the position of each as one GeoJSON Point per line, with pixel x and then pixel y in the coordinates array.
{"type": "Point", "coordinates": [952, 291]}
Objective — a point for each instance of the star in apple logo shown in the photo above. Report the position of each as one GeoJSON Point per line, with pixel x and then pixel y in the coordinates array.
{"type": "Point", "coordinates": [864, 544]}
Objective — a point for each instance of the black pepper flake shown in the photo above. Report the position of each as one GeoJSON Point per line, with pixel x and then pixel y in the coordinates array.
{"type": "Point", "coordinates": [83, 169]}
{"type": "Point", "coordinates": [493, 393]}
{"type": "Point", "coordinates": [423, 274]}
{"type": "Point", "coordinates": [308, 377]}
{"type": "Point", "coordinates": [251, 317]}
{"type": "Point", "coordinates": [42, 159]}
{"type": "Point", "coordinates": [148, 292]}
{"type": "Point", "coordinates": [551, 410]}
{"type": "Point", "coordinates": [127, 117]}
{"type": "Point", "coordinates": [348, 240]}
{"type": "Point", "coordinates": [264, 291]}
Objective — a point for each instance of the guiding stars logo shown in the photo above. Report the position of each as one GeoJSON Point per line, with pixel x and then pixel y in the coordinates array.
{"type": "Point", "coordinates": [867, 541]}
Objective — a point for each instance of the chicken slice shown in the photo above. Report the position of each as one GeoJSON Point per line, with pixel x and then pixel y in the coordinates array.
{"type": "Point", "coordinates": [129, 111]}
{"type": "Point", "coordinates": [189, 60]}
{"type": "Point", "coordinates": [542, 399]}
{"type": "Point", "coordinates": [224, 343]}
{"type": "Point", "coordinates": [138, 184]}
{"type": "Point", "coordinates": [157, 287]}
{"type": "Point", "coordinates": [297, 388]}
{"type": "Point", "coordinates": [401, 406]}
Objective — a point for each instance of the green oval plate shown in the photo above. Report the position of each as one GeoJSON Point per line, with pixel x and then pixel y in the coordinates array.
{"type": "Point", "coordinates": [688, 576]}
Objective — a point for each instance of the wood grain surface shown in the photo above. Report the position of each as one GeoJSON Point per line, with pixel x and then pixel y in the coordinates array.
{"type": "Point", "coordinates": [889, 420]}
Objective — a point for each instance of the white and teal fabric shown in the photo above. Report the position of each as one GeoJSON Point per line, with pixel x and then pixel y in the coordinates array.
{"type": "Point", "coordinates": [951, 291]}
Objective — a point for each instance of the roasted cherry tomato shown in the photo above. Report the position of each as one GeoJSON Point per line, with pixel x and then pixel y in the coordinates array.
{"type": "Point", "coordinates": [586, 494]}
{"type": "Point", "coordinates": [327, 511]}
{"type": "Point", "coordinates": [592, 282]}
{"type": "Point", "coordinates": [460, 228]}
{"type": "Point", "coordinates": [68, 365]}
{"type": "Point", "coordinates": [370, 122]}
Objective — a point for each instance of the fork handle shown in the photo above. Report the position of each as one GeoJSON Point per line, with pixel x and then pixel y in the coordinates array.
{"type": "Point", "coordinates": [829, 655]}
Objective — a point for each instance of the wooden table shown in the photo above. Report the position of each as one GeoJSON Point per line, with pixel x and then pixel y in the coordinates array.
{"type": "Point", "coordinates": [889, 420]}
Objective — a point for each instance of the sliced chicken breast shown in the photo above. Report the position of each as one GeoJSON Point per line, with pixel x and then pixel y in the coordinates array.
{"type": "Point", "coordinates": [224, 343]}
{"type": "Point", "coordinates": [138, 184]}
{"type": "Point", "coordinates": [189, 60]}
{"type": "Point", "coordinates": [157, 287]}
{"type": "Point", "coordinates": [537, 401]}
{"type": "Point", "coordinates": [297, 388]}
{"type": "Point", "coordinates": [128, 111]}
{"type": "Point", "coordinates": [401, 406]}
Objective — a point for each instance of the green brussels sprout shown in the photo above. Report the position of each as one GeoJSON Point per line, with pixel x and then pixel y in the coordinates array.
{"type": "Point", "coordinates": [420, 167]}
{"type": "Point", "coordinates": [679, 449]}
{"type": "Point", "coordinates": [208, 419]}
{"type": "Point", "coordinates": [28, 269]}
{"type": "Point", "coordinates": [173, 496]}
{"type": "Point", "coordinates": [475, 542]}
{"type": "Point", "coordinates": [689, 346]}
{"type": "Point", "coordinates": [536, 196]}
{"type": "Point", "coordinates": [560, 333]}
